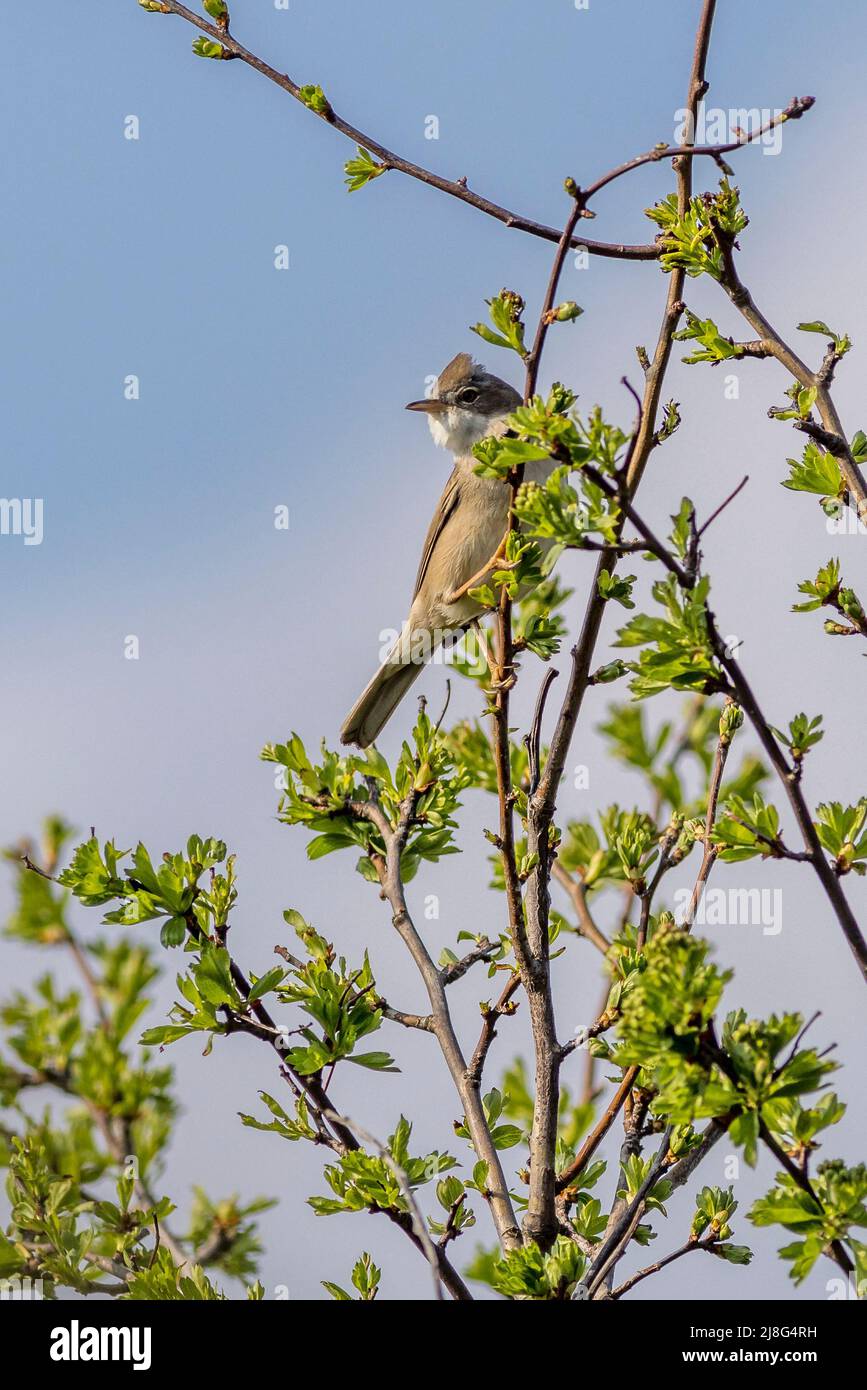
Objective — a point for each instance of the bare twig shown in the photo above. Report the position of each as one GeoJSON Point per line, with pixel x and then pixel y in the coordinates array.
{"type": "Point", "coordinates": [586, 925]}
{"type": "Point", "coordinates": [711, 850]}
{"type": "Point", "coordinates": [533, 740]}
{"type": "Point", "coordinates": [491, 1015]}
{"type": "Point", "coordinates": [831, 433]}
{"type": "Point", "coordinates": [455, 188]}
{"type": "Point", "coordinates": [722, 506]}
{"type": "Point", "coordinates": [634, 1279]}
{"type": "Point", "coordinates": [598, 1133]}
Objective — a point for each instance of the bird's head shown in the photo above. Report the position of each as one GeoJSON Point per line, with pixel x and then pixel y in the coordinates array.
{"type": "Point", "coordinates": [465, 403]}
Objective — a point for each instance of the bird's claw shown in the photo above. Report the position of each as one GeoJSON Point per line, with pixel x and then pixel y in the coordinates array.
{"type": "Point", "coordinates": [506, 682]}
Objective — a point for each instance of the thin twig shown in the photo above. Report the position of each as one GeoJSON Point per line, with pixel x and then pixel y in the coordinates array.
{"type": "Point", "coordinates": [419, 1225]}
{"type": "Point", "coordinates": [598, 1133]}
{"type": "Point", "coordinates": [491, 1016]}
{"type": "Point", "coordinates": [711, 850]}
{"type": "Point", "coordinates": [722, 506]}
{"type": "Point", "coordinates": [533, 740]}
{"type": "Point", "coordinates": [586, 925]}
{"type": "Point", "coordinates": [455, 188]}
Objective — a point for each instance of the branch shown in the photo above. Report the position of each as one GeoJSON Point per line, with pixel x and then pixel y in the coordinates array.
{"type": "Point", "coordinates": [791, 785]}
{"type": "Point", "coordinates": [533, 740]}
{"type": "Point", "coordinates": [660, 1264]}
{"type": "Point", "coordinates": [831, 434]}
{"type": "Point", "coordinates": [595, 1137]}
{"type": "Point", "coordinates": [534, 357]}
{"type": "Point", "coordinates": [441, 1270]}
{"type": "Point", "coordinates": [642, 445]}
{"type": "Point", "coordinates": [586, 925]}
{"type": "Point", "coordinates": [835, 1249]}
{"type": "Point", "coordinates": [614, 1242]}
{"type": "Point", "coordinates": [450, 973]}
{"type": "Point", "coordinates": [711, 851]}
{"type": "Point", "coordinates": [793, 112]}
{"type": "Point", "coordinates": [262, 1025]}
{"type": "Point", "coordinates": [393, 888]}
{"type": "Point", "coordinates": [529, 925]}
{"type": "Point", "coordinates": [455, 188]}
{"type": "Point", "coordinates": [741, 690]}
{"type": "Point", "coordinates": [490, 1018]}
{"type": "Point", "coordinates": [667, 844]}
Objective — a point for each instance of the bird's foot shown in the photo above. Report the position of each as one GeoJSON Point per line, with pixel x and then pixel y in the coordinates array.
{"type": "Point", "coordinates": [476, 580]}
{"type": "Point", "coordinates": [504, 683]}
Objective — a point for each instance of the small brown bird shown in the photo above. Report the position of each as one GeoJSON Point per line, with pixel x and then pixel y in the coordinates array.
{"type": "Point", "coordinates": [469, 525]}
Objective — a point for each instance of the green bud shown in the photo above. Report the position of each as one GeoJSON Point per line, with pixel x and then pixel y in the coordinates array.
{"type": "Point", "coordinates": [851, 604]}
{"type": "Point", "coordinates": [314, 98]}
{"type": "Point", "coordinates": [154, 6]}
{"type": "Point", "coordinates": [208, 48]}
{"type": "Point", "coordinates": [561, 399]}
{"type": "Point", "coordinates": [567, 311]}
{"type": "Point", "coordinates": [571, 187]}
{"type": "Point", "coordinates": [606, 674]}
{"type": "Point", "coordinates": [731, 719]}
{"type": "Point", "coordinates": [595, 867]}
{"type": "Point", "coordinates": [217, 9]}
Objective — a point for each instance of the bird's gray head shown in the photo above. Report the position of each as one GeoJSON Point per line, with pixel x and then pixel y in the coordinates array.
{"type": "Point", "coordinates": [465, 403]}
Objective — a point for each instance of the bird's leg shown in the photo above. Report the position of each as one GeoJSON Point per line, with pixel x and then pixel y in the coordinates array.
{"type": "Point", "coordinates": [499, 681]}
{"type": "Point", "coordinates": [482, 639]}
{"type": "Point", "coordinates": [496, 562]}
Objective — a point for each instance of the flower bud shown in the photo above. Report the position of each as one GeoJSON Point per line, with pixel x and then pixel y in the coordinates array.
{"type": "Point", "coordinates": [731, 719]}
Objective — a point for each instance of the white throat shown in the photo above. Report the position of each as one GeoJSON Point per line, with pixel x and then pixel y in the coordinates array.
{"type": "Point", "coordinates": [458, 430]}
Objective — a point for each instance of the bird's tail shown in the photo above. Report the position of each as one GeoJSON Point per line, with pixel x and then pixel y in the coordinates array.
{"type": "Point", "coordinates": [378, 701]}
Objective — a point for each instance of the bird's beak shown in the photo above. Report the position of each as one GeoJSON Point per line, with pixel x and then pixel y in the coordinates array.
{"type": "Point", "coordinates": [432, 406]}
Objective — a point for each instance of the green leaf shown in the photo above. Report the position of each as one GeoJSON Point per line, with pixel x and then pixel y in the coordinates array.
{"type": "Point", "coordinates": [209, 48]}
{"type": "Point", "coordinates": [374, 1061]}
{"type": "Point", "coordinates": [266, 983]}
{"type": "Point", "coordinates": [164, 1034]}
{"type": "Point", "coordinates": [362, 170]}
{"type": "Point", "coordinates": [173, 932]}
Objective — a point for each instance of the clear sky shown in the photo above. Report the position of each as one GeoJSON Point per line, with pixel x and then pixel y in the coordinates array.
{"type": "Point", "coordinates": [155, 258]}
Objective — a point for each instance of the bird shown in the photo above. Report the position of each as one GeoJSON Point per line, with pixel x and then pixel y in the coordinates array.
{"type": "Point", "coordinates": [468, 529]}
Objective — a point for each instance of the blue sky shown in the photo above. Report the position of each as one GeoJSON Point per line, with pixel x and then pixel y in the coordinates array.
{"type": "Point", "coordinates": [259, 388]}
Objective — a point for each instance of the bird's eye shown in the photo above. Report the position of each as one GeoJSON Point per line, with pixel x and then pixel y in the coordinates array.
{"type": "Point", "coordinates": [469, 395]}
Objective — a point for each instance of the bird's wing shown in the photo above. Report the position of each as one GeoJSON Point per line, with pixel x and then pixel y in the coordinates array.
{"type": "Point", "coordinates": [447, 504]}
